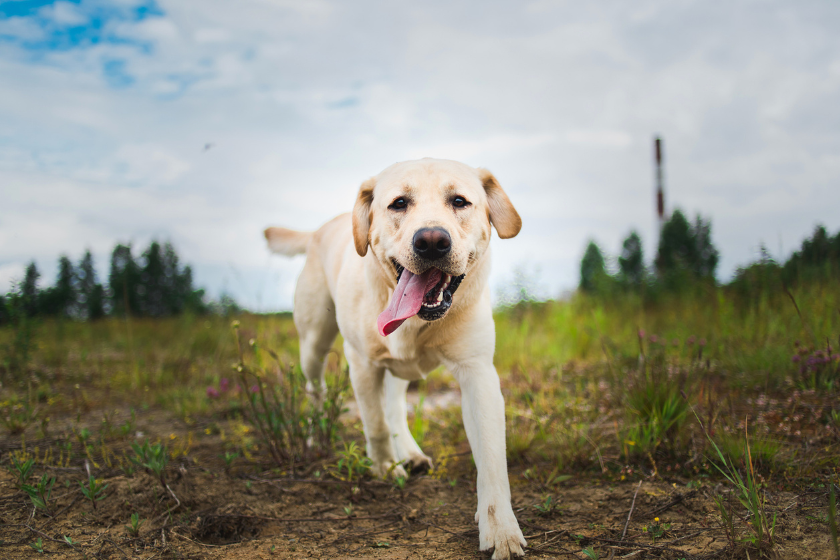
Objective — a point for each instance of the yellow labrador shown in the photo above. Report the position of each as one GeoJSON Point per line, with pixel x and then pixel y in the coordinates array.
{"type": "Point", "coordinates": [404, 278]}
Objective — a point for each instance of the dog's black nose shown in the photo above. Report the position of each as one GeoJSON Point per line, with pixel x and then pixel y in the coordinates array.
{"type": "Point", "coordinates": [432, 243]}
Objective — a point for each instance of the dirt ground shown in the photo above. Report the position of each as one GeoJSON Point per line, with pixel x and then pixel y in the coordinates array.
{"type": "Point", "coordinates": [239, 515]}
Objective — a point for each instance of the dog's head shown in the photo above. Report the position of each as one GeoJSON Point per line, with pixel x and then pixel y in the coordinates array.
{"type": "Point", "coordinates": [430, 218]}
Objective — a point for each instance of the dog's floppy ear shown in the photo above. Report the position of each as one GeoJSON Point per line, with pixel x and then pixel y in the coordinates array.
{"type": "Point", "coordinates": [361, 216]}
{"type": "Point", "coordinates": [503, 215]}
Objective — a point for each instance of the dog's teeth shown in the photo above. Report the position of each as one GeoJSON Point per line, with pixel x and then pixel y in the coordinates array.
{"type": "Point", "coordinates": [440, 297]}
{"type": "Point", "coordinates": [448, 278]}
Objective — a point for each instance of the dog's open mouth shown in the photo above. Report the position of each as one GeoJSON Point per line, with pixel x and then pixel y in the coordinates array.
{"type": "Point", "coordinates": [427, 295]}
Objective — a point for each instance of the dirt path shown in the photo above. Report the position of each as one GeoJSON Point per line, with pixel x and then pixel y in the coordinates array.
{"type": "Point", "coordinates": [256, 517]}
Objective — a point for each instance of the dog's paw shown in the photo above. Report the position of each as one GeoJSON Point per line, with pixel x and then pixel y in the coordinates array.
{"type": "Point", "coordinates": [388, 470]}
{"type": "Point", "coordinates": [418, 464]}
{"type": "Point", "coordinates": [498, 529]}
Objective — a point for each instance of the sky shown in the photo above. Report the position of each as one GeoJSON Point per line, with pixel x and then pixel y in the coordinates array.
{"type": "Point", "coordinates": [204, 121]}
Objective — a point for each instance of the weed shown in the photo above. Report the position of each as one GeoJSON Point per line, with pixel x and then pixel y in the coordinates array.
{"type": "Point", "coordinates": [17, 415]}
{"type": "Point", "coordinates": [590, 553]}
{"type": "Point", "coordinates": [133, 528]}
{"type": "Point", "coordinates": [749, 493]}
{"type": "Point", "coordinates": [399, 483]}
{"type": "Point", "coordinates": [351, 464]}
{"type": "Point", "coordinates": [819, 369]}
{"type": "Point", "coordinates": [93, 490]}
{"type": "Point", "coordinates": [152, 457]}
{"type": "Point", "coordinates": [41, 492]}
{"type": "Point", "coordinates": [658, 409]}
{"type": "Point", "coordinates": [348, 510]}
{"type": "Point", "coordinates": [22, 470]}
{"type": "Point", "coordinates": [547, 507]}
{"type": "Point", "coordinates": [763, 449]}
{"type": "Point", "coordinates": [291, 426]}
{"type": "Point", "coordinates": [127, 428]}
{"type": "Point", "coordinates": [17, 354]}
{"type": "Point", "coordinates": [38, 546]}
{"type": "Point", "coordinates": [552, 479]}
{"type": "Point", "coordinates": [656, 530]}
{"type": "Point", "coordinates": [229, 457]}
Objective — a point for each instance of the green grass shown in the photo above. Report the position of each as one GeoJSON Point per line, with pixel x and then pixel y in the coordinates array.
{"type": "Point", "coordinates": [599, 384]}
{"type": "Point", "coordinates": [752, 341]}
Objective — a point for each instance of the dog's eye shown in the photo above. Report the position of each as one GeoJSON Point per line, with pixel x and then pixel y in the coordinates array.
{"type": "Point", "coordinates": [398, 204]}
{"type": "Point", "coordinates": [460, 202]}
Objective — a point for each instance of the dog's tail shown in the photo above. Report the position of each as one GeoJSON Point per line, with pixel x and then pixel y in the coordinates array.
{"type": "Point", "coordinates": [287, 241]}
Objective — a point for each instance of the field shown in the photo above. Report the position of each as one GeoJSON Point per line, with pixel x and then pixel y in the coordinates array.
{"type": "Point", "coordinates": [703, 426]}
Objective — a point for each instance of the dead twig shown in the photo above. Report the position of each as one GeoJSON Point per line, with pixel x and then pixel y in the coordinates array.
{"type": "Point", "coordinates": [459, 535]}
{"type": "Point", "coordinates": [323, 482]}
{"type": "Point", "coordinates": [168, 511]}
{"type": "Point", "coordinates": [172, 532]}
{"type": "Point", "coordinates": [366, 533]}
{"type": "Point", "coordinates": [300, 519]}
{"type": "Point", "coordinates": [630, 514]}
{"type": "Point", "coordinates": [533, 526]}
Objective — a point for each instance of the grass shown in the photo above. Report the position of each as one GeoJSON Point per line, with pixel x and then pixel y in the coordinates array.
{"type": "Point", "coordinates": [751, 495]}
{"type": "Point", "coordinates": [600, 388]}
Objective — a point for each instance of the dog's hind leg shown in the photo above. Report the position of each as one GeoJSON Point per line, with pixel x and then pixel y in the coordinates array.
{"type": "Point", "coordinates": [315, 322]}
{"type": "Point", "coordinates": [405, 447]}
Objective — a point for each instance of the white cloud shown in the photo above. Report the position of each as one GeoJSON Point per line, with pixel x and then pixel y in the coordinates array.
{"type": "Point", "coordinates": [303, 101]}
{"type": "Point", "coordinates": [63, 13]}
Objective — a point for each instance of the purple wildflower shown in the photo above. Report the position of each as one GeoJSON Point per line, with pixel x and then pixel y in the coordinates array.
{"type": "Point", "coordinates": [224, 385]}
{"type": "Point", "coordinates": [212, 392]}
{"type": "Point", "coordinates": [255, 388]}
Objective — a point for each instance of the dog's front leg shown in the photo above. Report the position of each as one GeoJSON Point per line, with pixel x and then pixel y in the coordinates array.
{"type": "Point", "coordinates": [484, 420]}
{"type": "Point", "coordinates": [368, 388]}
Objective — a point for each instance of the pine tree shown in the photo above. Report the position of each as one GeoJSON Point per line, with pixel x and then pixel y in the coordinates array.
{"type": "Point", "coordinates": [592, 268]}
{"type": "Point", "coordinates": [60, 299]}
{"type": "Point", "coordinates": [631, 263]}
{"type": "Point", "coordinates": [91, 301]}
{"type": "Point", "coordinates": [29, 290]}
{"type": "Point", "coordinates": [124, 282]}
{"type": "Point", "coordinates": [686, 250]}
{"type": "Point", "coordinates": [5, 311]}
{"type": "Point", "coordinates": [707, 256]}
{"type": "Point", "coordinates": [154, 281]}
{"type": "Point", "coordinates": [179, 282]}
{"type": "Point", "coordinates": [819, 257]}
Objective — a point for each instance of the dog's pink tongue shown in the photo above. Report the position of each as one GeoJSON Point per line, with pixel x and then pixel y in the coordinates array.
{"type": "Point", "coordinates": [407, 299]}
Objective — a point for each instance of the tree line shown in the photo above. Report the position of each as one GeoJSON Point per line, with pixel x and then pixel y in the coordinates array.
{"type": "Point", "coordinates": [153, 284]}
{"type": "Point", "coordinates": [686, 258]}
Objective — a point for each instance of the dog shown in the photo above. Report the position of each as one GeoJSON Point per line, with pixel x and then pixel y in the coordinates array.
{"type": "Point", "coordinates": [404, 278]}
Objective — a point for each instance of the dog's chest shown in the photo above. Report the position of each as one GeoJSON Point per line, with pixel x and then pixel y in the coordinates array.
{"type": "Point", "coordinates": [406, 355]}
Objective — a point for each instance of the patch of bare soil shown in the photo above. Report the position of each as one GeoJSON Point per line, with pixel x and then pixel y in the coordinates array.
{"type": "Point", "coordinates": [251, 516]}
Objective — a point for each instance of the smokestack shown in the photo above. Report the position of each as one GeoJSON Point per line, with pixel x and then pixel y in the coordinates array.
{"type": "Point", "coordinates": [660, 191]}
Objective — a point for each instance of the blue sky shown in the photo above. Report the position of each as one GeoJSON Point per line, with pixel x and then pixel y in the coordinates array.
{"type": "Point", "coordinates": [106, 108]}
